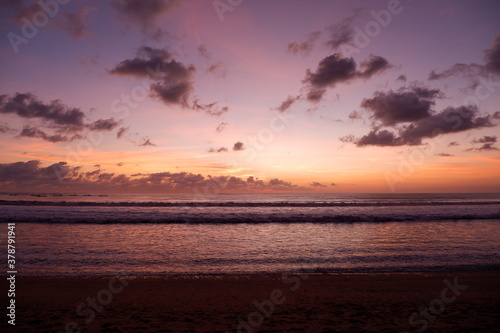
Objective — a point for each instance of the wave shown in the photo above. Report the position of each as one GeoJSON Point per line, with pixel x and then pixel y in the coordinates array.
{"type": "Point", "coordinates": [245, 204]}
{"type": "Point", "coordinates": [255, 219]}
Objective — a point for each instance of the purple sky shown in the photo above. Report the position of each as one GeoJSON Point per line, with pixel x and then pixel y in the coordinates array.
{"type": "Point", "coordinates": [318, 96]}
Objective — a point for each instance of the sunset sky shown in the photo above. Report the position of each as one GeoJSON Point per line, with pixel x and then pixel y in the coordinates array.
{"type": "Point", "coordinates": [250, 96]}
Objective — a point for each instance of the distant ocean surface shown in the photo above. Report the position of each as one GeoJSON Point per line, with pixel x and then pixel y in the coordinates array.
{"type": "Point", "coordinates": [169, 234]}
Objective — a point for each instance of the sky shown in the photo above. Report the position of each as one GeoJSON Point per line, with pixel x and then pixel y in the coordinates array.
{"type": "Point", "coordinates": [213, 96]}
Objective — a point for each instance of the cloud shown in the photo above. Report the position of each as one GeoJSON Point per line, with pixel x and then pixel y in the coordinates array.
{"type": "Point", "coordinates": [314, 95]}
{"type": "Point", "coordinates": [32, 175]}
{"type": "Point", "coordinates": [466, 70]}
{"type": "Point", "coordinates": [145, 13]}
{"type": "Point", "coordinates": [172, 79]}
{"type": "Point", "coordinates": [121, 132]}
{"type": "Point", "coordinates": [372, 66]}
{"type": "Point", "coordinates": [492, 57]}
{"type": "Point", "coordinates": [331, 70]}
{"type": "Point", "coordinates": [316, 184]}
{"type": "Point", "coordinates": [119, 164]}
{"type": "Point", "coordinates": [212, 108]}
{"type": "Point", "coordinates": [473, 71]}
{"type": "Point", "coordinates": [450, 120]}
{"type": "Point", "coordinates": [218, 69]}
{"type": "Point", "coordinates": [104, 124]}
{"type": "Point", "coordinates": [4, 128]}
{"type": "Point", "coordinates": [202, 50]}
{"type": "Point", "coordinates": [75, 23]}
{"type": "Point", "coordinates": [221, 127]}
{"type": "Point", "coordinates": [335, 69]}
{"type": "Point", "coordinates": [220, 150]}
{"type": "Point", "coordinates": [27, 105]}
{"type": "Point", "coordinates": [485, 139]}
{"type": "Point", "coordinates": [33, 132]}
{"type": "Point", "coordinates": [339, 34]}
{"type": "Point", "coordinates": [401, 78]}
{"type": "Point", "coordinates": [453, 144]}
{"type": "Point", "coordinates": [67, 122]}
{"type": "Point", "coordinates": [238, 146]}
{"type": "Point", "coordinates": [354, 115]}
{"type": "Point", "coordinates": [444, 155]}
{"type": "Point", "coordinates": [287, 103]}
{"type": "Point", "coordinates": [305, 46]}
{"type": "Point", "coordinates": [404, 105]}
{"type": "Point", "coordinates": [145, 142]}
{"type": "Point", "coordinates": [342, 33]}
{"type": "Point", "coordinates": [496, 115]}
{"type": "Point", "coordinates": [278, 184]}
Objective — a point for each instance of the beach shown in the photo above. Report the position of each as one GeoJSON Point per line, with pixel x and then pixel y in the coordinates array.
{"type": "Point", "coordinates": [377, 302]}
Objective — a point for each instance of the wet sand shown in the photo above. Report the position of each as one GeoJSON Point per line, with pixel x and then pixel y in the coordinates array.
{"type": "Point", "coordinates": [393, 302]}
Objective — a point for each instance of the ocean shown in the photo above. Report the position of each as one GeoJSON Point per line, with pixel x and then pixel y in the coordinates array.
{"type": "Point", "coordinates": [182, 234]}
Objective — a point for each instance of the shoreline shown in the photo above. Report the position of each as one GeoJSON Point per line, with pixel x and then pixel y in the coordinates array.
{"type": "Point", "coordinates": [316, 302]}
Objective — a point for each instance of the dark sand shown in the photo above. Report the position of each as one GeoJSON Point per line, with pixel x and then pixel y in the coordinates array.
{"type": "Point", "coordinates": [313, 303]}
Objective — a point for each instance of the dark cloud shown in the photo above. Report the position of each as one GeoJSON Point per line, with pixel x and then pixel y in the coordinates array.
{"type": "Point", "coordinates": [496, 115]}
{"type": "Point", "coordinates": [27, 105]}
{"type": "Point", "coordinates": [487, 146]}
{"type": "Point", "coordinates": [469, 71]}
{"type": "Point", "coordinates": [304, 46]}
{"type": "Point", "coordinates": [173, 80]}
{"type": "Point", "coordinates": [202, 50]}
{"type": "Point", "coordinates": [348, 139]}
{"type": "Point", "coordinates": [212, 108]}
{"type": "Point", "coordinates": [339, 34]}
{"type": "Point", "coordinates": [316, 184]}
{"type": "Point", "coordinates": [220, 150]}
{"type": "Point", "coordinates": [218, 69]}
{"type": "Point", "coordinates": [75, 23]}
{"type": "Point", "coordinates": [121, 132]}
{"type": "Point", "coordinates": [287, 103]}
{"type": "Point", "coordinates": [4, 128]}
{"type": "Point", "coordinates": [145, 142]}
{"type": "Point", "coordinates": [278, 184]}
{"type": "Point", "coordinates": [453, 144]}
{"type": "Point", "coordinates": [444, 155]}
{"type": "Point", "coordinates": [401, 78]}
{"type": "Point", "coordinates": [315, 95]}
{"type": "Point", "coordinates": [104, 124]}
{"type": "Point", "coordinates": [335, 69]}
{"type": "Point", "coordinates": [172, 93]}
{"type": "Point", "coordinates": [473, 71]}
{"type": "Point", "coordinates": [342, 33]}
{"type": "Point", "coordinates": [31, 175]}
{"type": "Point", "coordinates": [492, 56]}
{"type": "Point", "coordinates": [221, 127]}
{"type": "Point", "coordinates": [238, 146]}
{"type": "Point", "coordinates": [404, 105]}
{"type": "Point", "coordinates": [331, 70]}
{"type": "Point", "coordinates": [372, 66]}
{"type": "Point", "coordinates": [33, 132]}
{"type": "Point", "coordinates": [450, 120]}
{"type": "Point", "coordinates": [119, 164]}
{"type": "Point", "coordinates": [354, 115]}
{"type": "Point", "coordinates": [151, 62]}
{"type": "Point", "coordinates": [485, 139]}
{"type": "Point", "coordinates": [145, 13]}
{"type": "Point", "coordinates": [67, 122]}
